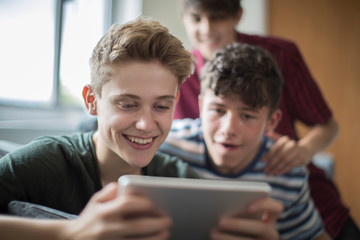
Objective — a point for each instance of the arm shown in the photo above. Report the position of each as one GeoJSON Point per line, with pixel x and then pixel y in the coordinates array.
{"type": "Point", "coordinates": [236, 228]}
{"type": "Point", "coordinates": [106, 216]}
{"type": "Point", "coordinates": [26, 228]}
{"type": "Point", "coordinates": [319, 137]}
{"type": "Point", "coordinates": [302, 101]}
{"type": "Point", "coordinates": [288, 153]}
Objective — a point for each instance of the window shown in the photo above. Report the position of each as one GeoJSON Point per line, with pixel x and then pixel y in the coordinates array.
{"type": "Point", "coordinates": [27, 50]}
{"type": "Point", "coordinates": [45, 48]}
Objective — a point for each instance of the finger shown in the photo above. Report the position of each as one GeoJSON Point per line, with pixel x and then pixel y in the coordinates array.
{"type": "Point", "coordinates": [246, 229]}
{"type": "Point", "coordinates": [274, 165]}
{"type": "Point", "coordinates": [140, 228]}
{"type": "Point", "coordinates": [273, 135]}
{"type": "Point", "coordinates": [290, 157]}
{"type": "Point", "coordinates": [218, 235]}
{"type": "Point", "coordinates": [273, 154]}
{"type": "Point", "coordinates": [273, 151]}
{"type": "Point", "coordinates": [282, 167]}
{"type": "Point", "coordinates": [286, 168]}
{"type": "Point", "coordinates": [271, 208]}
{"type": "Point", "coordinates": [130, 206]}
{"type": "Point", "coordinates": [286, 158]}
{"type": "Point", "coordinates": [160, 236]}
{"type": "Point", "coordinates": [109, 192]}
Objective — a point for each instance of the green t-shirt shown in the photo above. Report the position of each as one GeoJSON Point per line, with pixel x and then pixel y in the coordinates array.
{"type": "Point", "coordinates": [63, 172]}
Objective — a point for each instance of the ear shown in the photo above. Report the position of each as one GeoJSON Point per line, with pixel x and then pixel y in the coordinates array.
{"type": "Point", "coordinates": [273, 120]}
{"type": "Point", "coordinates": [238, 16]}
{"type": "Point", "coordinates": [177, 96]}
{"type": "Point", "coordinates": [89, 99]}
{"type": "Point", "coordinates": [200, 101]}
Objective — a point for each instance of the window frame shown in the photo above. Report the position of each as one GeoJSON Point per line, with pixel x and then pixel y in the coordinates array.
{"type": "Point", "coordinates": [17, 117]}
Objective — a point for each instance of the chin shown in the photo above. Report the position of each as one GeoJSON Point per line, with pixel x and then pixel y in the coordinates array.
{"type": "Point", "coordinates": [140, 163]}
{"type": "Point", "coordinates": [139, 160]}
{"type": "Point", "coordinates": [224, 163]}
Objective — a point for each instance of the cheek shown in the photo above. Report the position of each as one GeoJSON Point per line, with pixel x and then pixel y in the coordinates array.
{"type": "Point", "coordinates": [116, 119]}
{"type": "Point", "coordinates": [192, 31]}
{"type": "Point", "coordinates": [254, 132]}
{"type": "Point", "coordinates": [165, 122]}
{"type": "Point", "coordinates": [228, 34]}
{"type": "Point", "coordinates": [209, 129]}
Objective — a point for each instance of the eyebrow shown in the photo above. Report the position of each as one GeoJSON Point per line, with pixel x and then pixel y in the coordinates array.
{"type": "Point", "coordinates": [132, 96]}
{"type": "Point", "coordinates": [164, 97]}
{"type": "Point", "coordinates": [246, 108]}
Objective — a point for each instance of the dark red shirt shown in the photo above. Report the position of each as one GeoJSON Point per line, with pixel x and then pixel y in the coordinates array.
{"type": "Point", "coordinates": [301, 100]}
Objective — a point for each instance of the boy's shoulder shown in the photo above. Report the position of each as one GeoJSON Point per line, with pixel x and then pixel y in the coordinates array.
{"type": "Point", "coordinates": [274, 45]}
{"type": "Point", "coordinates": [76, 141]}
{"type": "Point", "coordinates": [52, 148]}
{"type": "Point", "coordinates": [254, 39]}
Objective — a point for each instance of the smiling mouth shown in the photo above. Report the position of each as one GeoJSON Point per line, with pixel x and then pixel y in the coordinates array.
{"type": "Point", "coordinates": [210, 41]}
{"type": "Point", "coordinates": [229, 146]}
{"type": "Point", "coordinates": [140, 141]}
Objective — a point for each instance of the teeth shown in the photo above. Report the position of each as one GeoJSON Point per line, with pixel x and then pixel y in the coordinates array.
{"type": "Point", "coordinates": [140, 140]}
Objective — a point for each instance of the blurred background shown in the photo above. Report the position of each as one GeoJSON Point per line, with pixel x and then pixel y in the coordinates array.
{"type": "Point", "coordinates": [45, 46]}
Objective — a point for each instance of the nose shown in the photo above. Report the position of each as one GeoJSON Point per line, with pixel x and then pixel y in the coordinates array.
{"type": "Point", "coordinates": [205, 26]}
{"type": "Point", "coordinates": [146, 121]}
{"type": "Point", "coordinates": [229, 125]}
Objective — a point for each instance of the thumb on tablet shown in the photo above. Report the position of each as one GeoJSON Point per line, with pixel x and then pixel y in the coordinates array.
{"type": "Point", "coordinates": [271, 209]}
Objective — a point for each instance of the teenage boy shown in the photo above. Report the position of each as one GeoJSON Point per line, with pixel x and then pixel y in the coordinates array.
{"type": "Point", "coordinates": [240, 91]}
{"type": "Point", "coordinates": [210, 25]}
{"type": "Point", "coordinates": [136, 70]}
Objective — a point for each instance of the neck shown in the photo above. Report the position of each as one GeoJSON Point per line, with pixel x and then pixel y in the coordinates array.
{"type": "Point", "coordinates": [111, 166]}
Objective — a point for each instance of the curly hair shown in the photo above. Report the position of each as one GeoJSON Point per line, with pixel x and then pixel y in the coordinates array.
{"type": "Point", "coordinates": [139, 40]}
{"type": "Point", "coordinates": [246, 71]}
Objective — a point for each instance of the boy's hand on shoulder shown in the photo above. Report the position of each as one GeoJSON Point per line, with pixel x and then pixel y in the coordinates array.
{"type": "Point", "coordinates": [231, 228]}
{"type": "Point", "coordinates": [284, 155]}
{"type": "Point", "coordinates": [108, 216]}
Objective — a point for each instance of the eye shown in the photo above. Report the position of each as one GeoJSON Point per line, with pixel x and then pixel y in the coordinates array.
{"type": "Point", "coordinates": [217, 17]}
{"type": "Point", "coordinates": [195, 18]}
{"type": "Point", "coordinates": [247, 116]}
{"type": "Point", "coordinates": [217, 110]}
{"type": "Point", "coordinates": [160, 108]}
{"type": "Point", "coordinates": [163, 106]}
{"type": "Point", "coordinates": [127, 105]}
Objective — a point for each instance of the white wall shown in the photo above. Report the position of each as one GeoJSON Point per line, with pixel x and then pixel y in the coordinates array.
{"type": "Point", "coordinates": [166, 11]}
{"type": "Point", "coordinates": [254, 19]}
{"type": "Point", "coordinates": [126, 10]}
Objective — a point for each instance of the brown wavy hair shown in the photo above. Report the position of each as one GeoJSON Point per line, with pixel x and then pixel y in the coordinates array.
{"type": "Point", "coordinates": [246, 71]}
{"type": "Point", "coordinates": [139, 40]}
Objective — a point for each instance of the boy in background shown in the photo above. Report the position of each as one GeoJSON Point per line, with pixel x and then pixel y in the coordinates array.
{"type": "Point", "coordinates": [240, 91]}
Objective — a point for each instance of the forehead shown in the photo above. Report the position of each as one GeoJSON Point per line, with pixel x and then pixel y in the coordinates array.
{"type": "Point", "coordinates": [209, 96]}
{"type": "Point", "coordinates": [140, 78]}
{"type": "Point", "coordinates": [204, 12]}
{"type": "Point", "coordinates": [231, 101]}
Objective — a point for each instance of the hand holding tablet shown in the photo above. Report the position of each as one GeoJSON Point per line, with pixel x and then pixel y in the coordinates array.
{"type": "Point", "coordinates": [196, 205]}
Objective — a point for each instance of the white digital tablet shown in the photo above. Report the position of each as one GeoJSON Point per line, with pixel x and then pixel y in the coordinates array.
{"type": "Point", "coordinates": [196, 205]}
